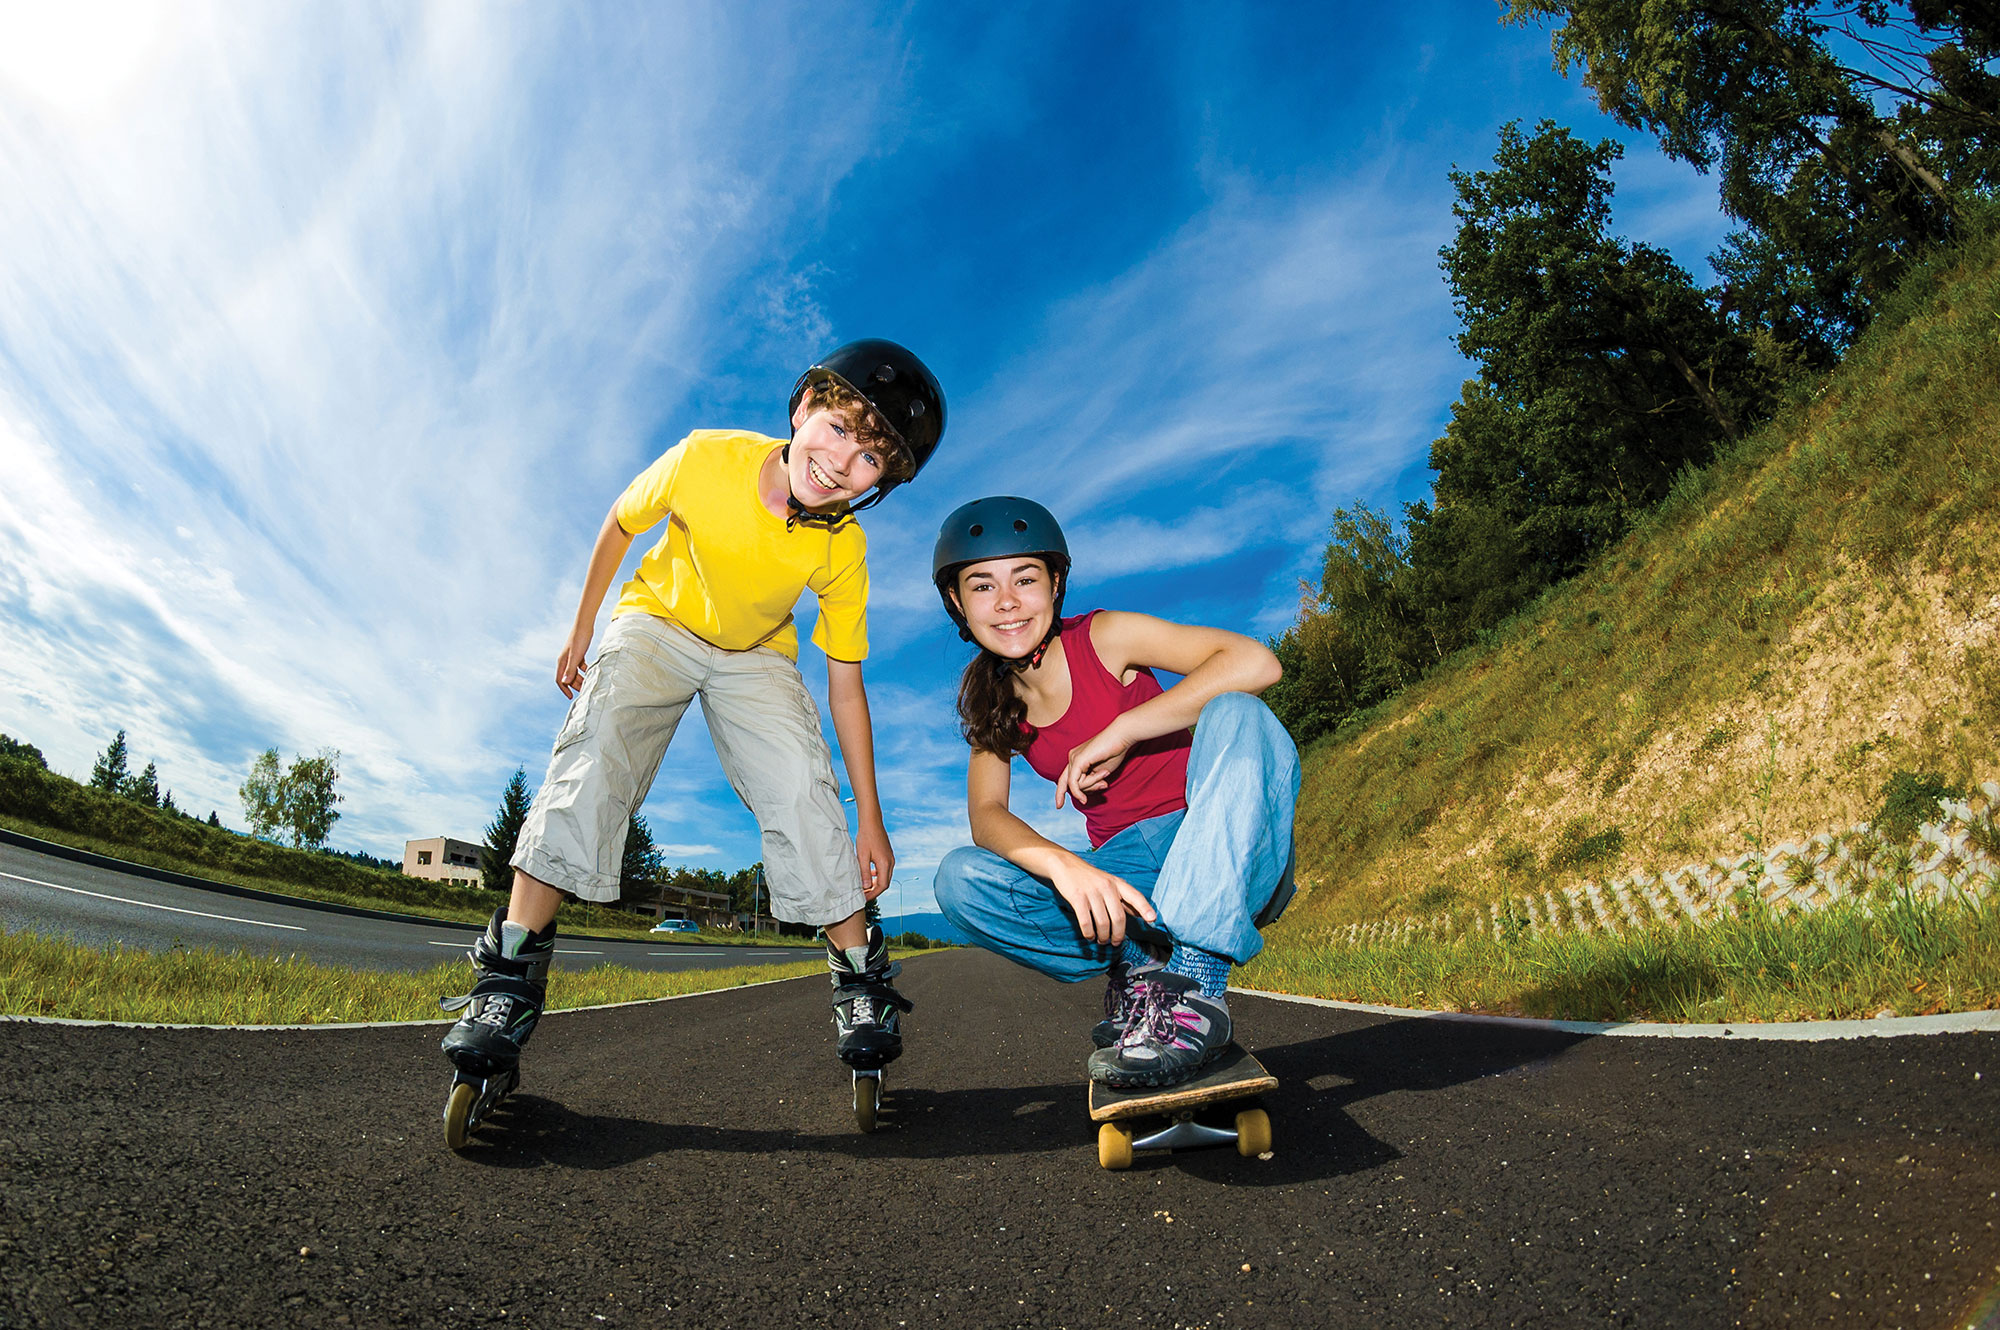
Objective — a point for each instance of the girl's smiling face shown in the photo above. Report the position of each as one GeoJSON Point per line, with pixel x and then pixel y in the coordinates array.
{"type": "Point", "coordinates": [828, 465]}
{"type": "Point", "coordinates": [1009, 604]}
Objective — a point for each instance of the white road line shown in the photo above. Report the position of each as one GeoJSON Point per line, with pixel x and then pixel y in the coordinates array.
{"type": "Point", "coordinates": [678, 952]}
{"type": "Point", "coordinates": [567, 952]}
{"type": "Point", "coordinates": [149, 905]}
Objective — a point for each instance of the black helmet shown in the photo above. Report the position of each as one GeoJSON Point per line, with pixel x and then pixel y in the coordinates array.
{"type": "Point", "coordinates": [900, 388]}
{"type": "Point", "coordinates": [993, 528]}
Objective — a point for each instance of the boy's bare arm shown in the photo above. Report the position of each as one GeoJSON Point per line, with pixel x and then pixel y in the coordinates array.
{"type": "Point", "coordinates": [605, 556]}
{"type": "Point", "coordinates": [847, 699]}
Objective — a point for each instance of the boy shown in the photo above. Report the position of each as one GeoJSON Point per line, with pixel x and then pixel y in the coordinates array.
{"type": "Point", "coordinates": [751, 523]}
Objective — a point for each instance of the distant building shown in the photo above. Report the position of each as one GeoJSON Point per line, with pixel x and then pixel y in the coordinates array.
{"type": "Point", "coordinates": [442, 859]}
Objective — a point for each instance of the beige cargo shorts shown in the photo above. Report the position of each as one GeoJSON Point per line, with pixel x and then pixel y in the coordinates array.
{"type": "Point", "coordinates": [766, 731]}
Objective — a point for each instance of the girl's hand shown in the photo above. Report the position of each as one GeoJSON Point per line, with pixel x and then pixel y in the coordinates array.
{"type": "Point", "coordinates": [878, 860]}
{"type": "Point", "coordinates": [1100, 901]}
{"type": "Point", "coordinates": [1090, 766]}
{"type": "Point", "coordinates": [570, 665]}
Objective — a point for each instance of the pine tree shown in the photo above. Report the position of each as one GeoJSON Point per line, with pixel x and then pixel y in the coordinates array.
{"type": "Point", "coordinates": [145, 787]}
{"type": "Point", "coordinates": [213, 819]}
{"type": "Point", "coordinates": [640, 866]}
{"type": "Point", "coordinates": [496, 868]}
{"type": "Point", "coordinates": [111, 774]}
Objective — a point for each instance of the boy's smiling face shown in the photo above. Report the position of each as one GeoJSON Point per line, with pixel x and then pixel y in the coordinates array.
{"type": "Point", "coordinates": [1009, 604]}
{"type": "Point", "coordinates": [829, 465]}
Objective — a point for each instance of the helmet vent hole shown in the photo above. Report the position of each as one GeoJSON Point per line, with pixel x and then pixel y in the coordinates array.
{"type": "Point", "coordinates": [977, 530]}
{"type": "Point", "coordinates": [1019, 526]}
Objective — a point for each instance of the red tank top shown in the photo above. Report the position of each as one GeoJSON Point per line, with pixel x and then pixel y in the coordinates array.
{"type": "Point", "coordinates": [1153, 779]}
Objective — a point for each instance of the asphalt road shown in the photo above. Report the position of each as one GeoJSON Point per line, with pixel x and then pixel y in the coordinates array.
{"type": "Point", "coordinates": [99, 907]}
{"type": "Point", "coordinates": [694, 1163]}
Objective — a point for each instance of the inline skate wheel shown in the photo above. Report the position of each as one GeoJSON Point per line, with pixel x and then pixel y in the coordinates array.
{"type": "Point", "coordinates": [867, 1101]}
{"type": "Point", "coordinates": [458, 1114]}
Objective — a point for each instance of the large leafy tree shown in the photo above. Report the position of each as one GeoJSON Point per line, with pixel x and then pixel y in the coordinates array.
{"type": "Point", "coordinates": [1846, 137]}
{"type": "Point", "coordinates": [299, 800]}
{"type": "Point", "coordinates": [1603, 371]}
{"type": "Point", "coordinates": [19, 750]}
{"type": "Point", "coordinates": [504, 833]}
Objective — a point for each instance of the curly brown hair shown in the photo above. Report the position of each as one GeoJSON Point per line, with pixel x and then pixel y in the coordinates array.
{"type": "Point", "coordinates": [867, 426]}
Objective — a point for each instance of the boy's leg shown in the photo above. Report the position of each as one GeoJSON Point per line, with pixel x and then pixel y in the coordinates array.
{"type": "Point", "coordinates": [767, 735]}
{"type": "Point", "coordinates": [605, 757]}
{"type": "Point", "coordinates": [1230, 858]}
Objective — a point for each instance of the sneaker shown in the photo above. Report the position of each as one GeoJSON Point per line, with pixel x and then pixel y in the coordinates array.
{"type": "Point", "coordinates": [1172, 1035]}
{"type": "Point", "coordinates": [867, 1009]}
{"type": "Point", "coordinates": [1121, 999]}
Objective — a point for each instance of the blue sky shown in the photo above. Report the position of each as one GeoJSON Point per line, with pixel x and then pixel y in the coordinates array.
{"type": "Point", "coordinates": [328, 333]}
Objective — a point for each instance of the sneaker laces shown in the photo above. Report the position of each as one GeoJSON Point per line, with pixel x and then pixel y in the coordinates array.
{"type": "Point", "coordinates": [1153, 1016]}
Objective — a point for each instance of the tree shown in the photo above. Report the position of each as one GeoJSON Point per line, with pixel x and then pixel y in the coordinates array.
{"type": "Point", "coordinates": [1846, 138]}
{"type": "Point", "coordinates": [504, 832]}
{"type": "Point", "coordinates": [640, 867]}
{"type": "Point", "coordinates": [308, 798]}
{"type": "Point", "coordinates": [145, 787]}
{"type": "Point", "coordinates": [214, 820]}
{"type": "Point", "coordinates": [263, 795]}
{"type": "Point", "coordinates": [1603, 372]}
{"type": "Point", "coordinates": [299, 800]}
{"type": "Point", "coordinates": [111, 774]}
{"type": "Point", "coordinates": [167, 804]}
{"type": "Point", "coordinates": [16, 750]}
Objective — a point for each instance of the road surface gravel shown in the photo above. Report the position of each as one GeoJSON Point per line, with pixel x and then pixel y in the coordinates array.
{"type": "Point", "coordinates": [695, 1163]}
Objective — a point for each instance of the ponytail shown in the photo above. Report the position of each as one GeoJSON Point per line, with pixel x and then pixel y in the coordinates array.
{"type": "Point", "coordinates": [991, 716]}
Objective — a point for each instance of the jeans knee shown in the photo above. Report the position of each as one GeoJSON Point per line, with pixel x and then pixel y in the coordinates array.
{"type": "Point", "coordinates": [953, 885]}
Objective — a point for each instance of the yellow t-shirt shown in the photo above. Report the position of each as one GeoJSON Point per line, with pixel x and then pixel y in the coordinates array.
{"type": "Point", "coordinates": [727, 570]}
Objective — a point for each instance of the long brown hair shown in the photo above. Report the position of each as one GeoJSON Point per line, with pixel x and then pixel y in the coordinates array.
{"type": "Point", "coordinates": [991, 715]}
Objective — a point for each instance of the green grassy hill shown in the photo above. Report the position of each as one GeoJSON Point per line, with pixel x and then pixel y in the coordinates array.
{"type": "Point", "coordinates": [1815, 613]}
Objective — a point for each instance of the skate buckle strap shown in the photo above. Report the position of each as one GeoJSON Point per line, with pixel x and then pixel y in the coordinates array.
{"type": "Point", "coordinates": [850, 989]}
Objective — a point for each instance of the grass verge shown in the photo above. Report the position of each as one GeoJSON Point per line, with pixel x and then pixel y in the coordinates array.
{"type": "Point", "coordinates": [1905, 958]}
{"type": "Point", "coordinates": [52, 976]}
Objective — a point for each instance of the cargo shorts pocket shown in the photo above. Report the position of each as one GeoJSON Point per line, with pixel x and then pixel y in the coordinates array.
{"type": "Point", "coordinates": [581, 720]}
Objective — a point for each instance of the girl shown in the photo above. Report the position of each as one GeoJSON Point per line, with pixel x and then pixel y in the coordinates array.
{"type": "Point", "coordinates": [1191, 834]}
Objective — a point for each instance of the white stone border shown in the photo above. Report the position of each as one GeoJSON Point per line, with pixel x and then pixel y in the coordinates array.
{"type": "Point", "coordinates": [1880, 1028]}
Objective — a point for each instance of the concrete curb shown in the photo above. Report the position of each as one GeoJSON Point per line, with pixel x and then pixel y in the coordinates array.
{"type": "Point", "coordinates": [1887, 1027]}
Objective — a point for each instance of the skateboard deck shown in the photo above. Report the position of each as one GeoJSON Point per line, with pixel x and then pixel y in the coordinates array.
{"type": "Point", "coordinates": [1237, 1074]}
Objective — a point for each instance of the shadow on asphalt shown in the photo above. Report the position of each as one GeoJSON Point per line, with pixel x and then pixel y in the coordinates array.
{"type": "Point", "coordinates": [1316, 1137]}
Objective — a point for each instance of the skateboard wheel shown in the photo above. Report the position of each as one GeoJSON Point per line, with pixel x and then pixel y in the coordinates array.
{"type": "Point", "coordinates": [458, 1114]}
{"type": "Point", "coordinates": [1114, 1145]}
{"type": "Point", "coordinates": [1253, 1132]}
{"type": "Point", "coordinates": [867, 1101]}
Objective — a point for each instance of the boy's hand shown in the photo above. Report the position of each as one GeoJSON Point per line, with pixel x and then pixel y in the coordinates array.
{"type": "Point", "coordinates": [1090, 766]}
{"type": "Point", "coordinates": [1100, 900]}
{"type": "Point", "coordinates": [878, 860]}
{"type": "Point", "coordinates": [570, 665]}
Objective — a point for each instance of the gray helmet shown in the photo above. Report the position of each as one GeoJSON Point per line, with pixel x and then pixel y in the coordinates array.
{"type": "Point", "coordinates": [993, 528]}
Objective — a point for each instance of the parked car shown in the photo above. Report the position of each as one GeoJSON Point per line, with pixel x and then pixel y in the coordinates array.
{"type": "Point", "coordinates": [676, 926]}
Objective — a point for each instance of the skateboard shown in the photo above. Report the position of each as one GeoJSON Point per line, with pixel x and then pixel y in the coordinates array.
{"type": "Point", "coordinates": [1237, 1074]}
{"type": "Point", "coordinates": [472, 1098]}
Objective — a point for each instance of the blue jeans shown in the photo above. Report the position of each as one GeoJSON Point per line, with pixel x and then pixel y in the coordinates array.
{"type": "Point", "coordinates": [1215, 872]}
